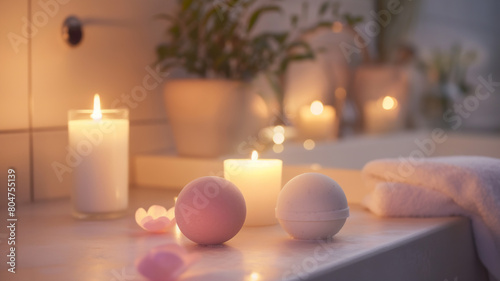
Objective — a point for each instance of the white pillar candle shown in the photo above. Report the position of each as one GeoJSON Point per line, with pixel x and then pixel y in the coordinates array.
{"type": "Point", "coordinates": [317, 121]}
{"type": "Point", "coordinates": [382, 115]}
{"type": "Point", "coordinates": [260, 182]}
{"type": "Point", "coordinates": [100, 138]}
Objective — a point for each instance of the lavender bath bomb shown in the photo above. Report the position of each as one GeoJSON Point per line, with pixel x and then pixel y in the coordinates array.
{"type": "Point", "coordinates": [210, 210]}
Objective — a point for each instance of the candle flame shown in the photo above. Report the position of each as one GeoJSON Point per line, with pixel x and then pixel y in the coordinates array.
{"type": "Point", "coordinates": [316, 107]}
{"type": "Point", "coordinates": [389, 103]}
{"type": "Point", "coordinates": [255, 155]}
{"type": "Point", "coordinates": [97, 114]}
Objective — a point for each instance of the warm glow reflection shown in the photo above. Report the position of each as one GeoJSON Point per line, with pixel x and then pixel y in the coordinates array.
{"type": "Point", "coordinates": [316, 167]}
{"type": "Point", "coordinates": [278, 148]}
{"type": "Point", "coordinates": [309, 144]}
{"type": "Point", "coordinates": [316, 107]}
{"type": "Point", "coordinates": [178, 233]}
{"type": "Point", "coordinates": [279, 129]}
{"type": "Point", "coordinates": [254, 276]}
{"type": "Point", "coordinates": [97, 114]}
{"type": "Point", "coordinates": [389, 103]}
{"type": "Point", "coordinates": [279, 138]}
{"type": "Point", "coordinates": [255, 155]}
{"type": "Point", "coordinates": [337, 26]}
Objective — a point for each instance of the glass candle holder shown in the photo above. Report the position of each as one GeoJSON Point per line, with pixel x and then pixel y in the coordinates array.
{"type": "Point", "coordinates": [98, 146]}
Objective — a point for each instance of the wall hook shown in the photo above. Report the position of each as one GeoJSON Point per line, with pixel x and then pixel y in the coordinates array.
{"type": "Point", "coordinates": [72, 31]}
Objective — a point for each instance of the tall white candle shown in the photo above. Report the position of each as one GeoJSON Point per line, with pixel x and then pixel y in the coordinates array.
{"type": "Point", "coordinates": [317, 121]}
{"type": "Point", "coordinates": [100, 137]}
{"type": "Point", "coordinates": [260, 182]}
{"type": "Point", "coordinates": [382, 115]}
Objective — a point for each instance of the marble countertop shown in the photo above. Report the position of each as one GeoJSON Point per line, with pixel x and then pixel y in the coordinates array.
{"type": "Point", "coordinates": [51, 245]}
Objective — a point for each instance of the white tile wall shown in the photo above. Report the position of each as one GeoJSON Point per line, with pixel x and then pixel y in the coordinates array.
{"type": "Point", "coordinates": [118, 44]}
{"type": "Point", "coordinates": [113, 59]}
{"type": "Point", "coordinates": [48, 148]}
{"type": "Point", "coordinates": [13, 66]}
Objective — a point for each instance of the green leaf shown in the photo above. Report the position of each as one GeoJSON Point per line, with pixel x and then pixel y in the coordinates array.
{"type": "Point", "coordinates": [281, 37]}
{"type": "Point", "coordinates": [323, 8]}
{"type": "Point", "coordinates": [294, 20]}
{"type": "Point", "coordinates": [258, 13]}
{"type": "Point", "coordinates": [164, 52]}
{"type": "Point", "coordinates": [352, 20]}
{"type": "Point", "coordinates": [291, 58]}
{"type": "Point", "coordinates": [175, 31]}
{"type": "Point", "coordinates": [185, 4]}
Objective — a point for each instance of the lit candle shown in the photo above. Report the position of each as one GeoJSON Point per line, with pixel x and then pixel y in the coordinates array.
{"type": "Point", "coordinates": [259, 180]}
{"type": "Point", "coordinates": [100, 140]}
{"type": "Point", "coordinates": [382, 115]}
{"type": "Point", "coordinates": [317, 121]}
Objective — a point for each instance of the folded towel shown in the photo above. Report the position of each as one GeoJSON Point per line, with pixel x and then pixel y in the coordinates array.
{"type": "Point", "coordinates": [444, 186]}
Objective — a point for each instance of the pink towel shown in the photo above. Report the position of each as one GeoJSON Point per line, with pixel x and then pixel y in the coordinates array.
{"type": "Point", "coordinates": [444, 186]}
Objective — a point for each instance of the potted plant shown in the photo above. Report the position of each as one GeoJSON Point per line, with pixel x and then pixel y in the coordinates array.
{"type": "Point", "coordinates": [384, 70]}
{"type": "Point", "coordinates": [216, 44]}
{"type": "Point", "coordinates": [446, 73]}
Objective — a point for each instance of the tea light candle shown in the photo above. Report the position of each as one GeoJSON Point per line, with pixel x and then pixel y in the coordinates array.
{"type": "Point", "coordinates": [259, 180]}
{"type": "Point", "coordinates": [382, 115]}
{"type": "Point", "coordinates": [317, 121]}
{"type": "Point", "coordinates": [99, 140]}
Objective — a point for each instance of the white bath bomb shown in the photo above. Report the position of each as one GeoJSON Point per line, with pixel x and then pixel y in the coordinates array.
{"type": "Point", "coordinates": [312, 206]}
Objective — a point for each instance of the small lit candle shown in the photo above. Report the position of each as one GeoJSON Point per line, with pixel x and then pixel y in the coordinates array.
{"type": "Point", "coordinates": [317, 121]}
{"type": "Point", "coordinates": [259, 180]}
{"type": "Point", "coordinates": [382, 115]}
{"type": "Point", "coordinates": [98, 141]}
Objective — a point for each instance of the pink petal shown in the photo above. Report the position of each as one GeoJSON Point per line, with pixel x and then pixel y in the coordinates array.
{"type": "Point", "coordinates": [157, 211]}
{"type": "Point", "coordinates": [157, 225]}
{"type": "Point", "coordinates": [139, 215]}
{"type": "Point", "coordinates": [171, 213]}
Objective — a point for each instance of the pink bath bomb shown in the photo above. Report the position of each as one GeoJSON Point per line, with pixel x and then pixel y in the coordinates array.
{"type": "Point", "coordinates": [210, 210]}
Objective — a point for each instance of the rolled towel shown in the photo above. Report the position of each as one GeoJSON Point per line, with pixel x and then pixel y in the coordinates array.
{"type": "Point", "coordinates": [442, 186]}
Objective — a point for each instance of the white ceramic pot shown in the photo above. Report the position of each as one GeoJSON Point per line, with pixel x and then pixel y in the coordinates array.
{"type": "Point", "coordinates": [210, 118]}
